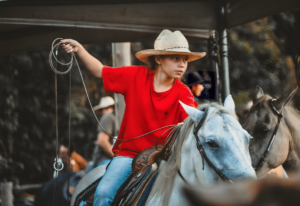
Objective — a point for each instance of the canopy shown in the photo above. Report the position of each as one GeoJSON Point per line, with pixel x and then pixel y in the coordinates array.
{"type": "Point", "coordinates": [34, 24]}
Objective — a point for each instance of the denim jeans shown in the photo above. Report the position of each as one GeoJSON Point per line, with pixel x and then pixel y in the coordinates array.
{"type": "Point", "coordinates": [116, 174]}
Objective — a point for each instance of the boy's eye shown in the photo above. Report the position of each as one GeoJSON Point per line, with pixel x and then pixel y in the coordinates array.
{"type": "Point", "coordinates": [176, 58]}
{"type": "Point", "coordinates": [185, 59]}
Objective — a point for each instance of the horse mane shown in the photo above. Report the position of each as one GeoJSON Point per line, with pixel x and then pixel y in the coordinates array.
{"type": "Point", "coordinates": [164, 183]}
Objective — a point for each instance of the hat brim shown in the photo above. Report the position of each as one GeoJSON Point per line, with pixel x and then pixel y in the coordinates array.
{"type": "Point", "coordinates": [195, 83]}
{"type": "Point", "coordinates": [102, 107]}
{"type": "Point", "coordinates": [145, 54]}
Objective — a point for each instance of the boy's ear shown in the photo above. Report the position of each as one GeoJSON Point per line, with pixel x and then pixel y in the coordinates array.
{"type": "Point", "coordinates": [157, 59]}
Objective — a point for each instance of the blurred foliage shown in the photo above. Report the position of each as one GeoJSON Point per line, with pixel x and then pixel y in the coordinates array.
{"type": "Point", "coordinates": [27, 115]}
{"type": "Point", "coordinates": [260, 53]}
{"type": "Point", "coordinates": [263, 53]}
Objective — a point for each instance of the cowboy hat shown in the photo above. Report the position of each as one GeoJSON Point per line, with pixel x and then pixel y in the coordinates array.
{"type": "Point", "coordinates": [104, 102]}
{"type": "Point", "coordinates": [193, 78]}
{"type": "Point", "coordinates": [170, 43]}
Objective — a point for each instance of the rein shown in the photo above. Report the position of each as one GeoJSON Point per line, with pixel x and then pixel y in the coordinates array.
{"type": "Point", "coordinates": [174, 129]}
{"type": "Point", "coordinates": [70, 64]}
{"type": "Point", "coordinates": [279, 117]}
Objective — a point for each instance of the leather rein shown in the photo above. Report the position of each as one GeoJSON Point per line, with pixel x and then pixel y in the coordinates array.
{"type": "Point", "coordinates": [279, 117]}
{"type": "Point", "coordinates": [203, 154]}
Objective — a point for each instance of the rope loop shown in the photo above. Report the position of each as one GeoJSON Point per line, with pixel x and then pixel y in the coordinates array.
{"type": "Point", "coordinates": [55, 47]}
{"type": "Point", "coordinates": [52, 54]}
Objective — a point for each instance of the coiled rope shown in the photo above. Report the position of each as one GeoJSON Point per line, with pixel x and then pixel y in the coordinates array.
{"type": "Point", "coordinates": [54, 47]}
{"type": "Point", "coordinates": [172, 129]}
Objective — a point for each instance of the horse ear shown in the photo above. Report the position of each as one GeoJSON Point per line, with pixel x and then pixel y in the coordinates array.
{"type": "Point", "coordinates": [257, 94]}
{"type": "Point", "coordinates": [279, 103]}
{"type": "Point", "coordinates": [229, 104]}
{"type": "Point", "coordinates": [194, 113]}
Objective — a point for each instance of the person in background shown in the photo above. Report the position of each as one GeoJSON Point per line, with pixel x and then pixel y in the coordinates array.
{"type": "Point", "coordinates": [151, 94]}
{"type": "Point", "coordinates": [77, 162]}
{"type": "Point", "coordinates": [195, 82]}
{"type": "Point", "coordinates": [103, 149]}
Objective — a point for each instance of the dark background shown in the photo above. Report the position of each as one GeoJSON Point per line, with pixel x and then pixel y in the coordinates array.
{"type": "Point", "coordinates": [260, 53]}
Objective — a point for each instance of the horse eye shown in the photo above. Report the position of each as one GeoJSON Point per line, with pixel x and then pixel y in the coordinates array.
{"type": "Point", "coordinates": [212, 144]}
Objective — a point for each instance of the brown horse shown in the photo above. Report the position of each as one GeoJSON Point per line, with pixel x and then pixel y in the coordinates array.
{"type": "Point", "coordinates": [260, 124]}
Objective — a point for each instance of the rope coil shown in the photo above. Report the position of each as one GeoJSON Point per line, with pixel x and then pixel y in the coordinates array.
{"type": "Point", "coordinates": [54, 47]}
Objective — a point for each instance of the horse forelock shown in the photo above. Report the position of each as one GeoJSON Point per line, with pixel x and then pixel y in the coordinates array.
{"type": "Point", "coordinates": [231, 123]}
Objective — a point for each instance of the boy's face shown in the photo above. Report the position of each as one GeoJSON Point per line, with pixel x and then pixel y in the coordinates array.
{"type": "Point", "coordinates": [197, 89]}
{"type": "Point", "coordinates": [173, 66]}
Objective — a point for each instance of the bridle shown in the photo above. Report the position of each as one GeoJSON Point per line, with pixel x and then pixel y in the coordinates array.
{"type": "Point", "coordinates": [203, 154]}
{"type": "Point", "coordinates": [279, 117]}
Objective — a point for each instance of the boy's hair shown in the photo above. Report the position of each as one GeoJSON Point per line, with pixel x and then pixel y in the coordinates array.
{"type": "Point", "coordinates": [152, 63]}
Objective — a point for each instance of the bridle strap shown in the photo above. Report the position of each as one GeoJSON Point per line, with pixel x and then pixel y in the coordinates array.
{"type": "Point", "coordinates": [178, 171]}
{"type": "Point", "coordinates": [202, 152]}
{"type": "Point", "coordinates": [204, 156]}
{"type": "Point", "coordinates": [279, 117]}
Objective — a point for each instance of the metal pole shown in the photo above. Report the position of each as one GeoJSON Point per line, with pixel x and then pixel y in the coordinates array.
{"type": "Point", "coordinates": [121, 57]}
{"type": "Point", "coordinates": [224, 53]}
{"type": "Point", "coordinates": [117, 124]}
{"type": "Point", "coordinates": [213, 57]}
{"type": "Point", "coordinates": [6, 193]}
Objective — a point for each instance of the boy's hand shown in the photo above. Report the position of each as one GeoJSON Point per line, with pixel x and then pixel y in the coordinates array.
{"type": "Point", "coordinates": [70, 45]}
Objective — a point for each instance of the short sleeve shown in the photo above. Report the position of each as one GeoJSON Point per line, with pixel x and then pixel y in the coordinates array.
{"type": "Point", "coordinates": [187, 99]}
{"type": "Point", "coordinates": [118, 79]}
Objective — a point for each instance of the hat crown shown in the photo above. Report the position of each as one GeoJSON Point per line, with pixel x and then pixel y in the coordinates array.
{"type": "Point", "coordinates": [168, 40]}
{"type": "Point", "coordinates": [194, 78]}
{"type": "Point", "coordinates": [105, 102]}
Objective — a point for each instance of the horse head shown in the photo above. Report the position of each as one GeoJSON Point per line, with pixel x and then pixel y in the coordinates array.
{"type": "Point", "coordinates": [261, 123]}
{"type": "Point", "coordinates": [216, 150]}
{"type": "Point", "coordinates": [224, 141]}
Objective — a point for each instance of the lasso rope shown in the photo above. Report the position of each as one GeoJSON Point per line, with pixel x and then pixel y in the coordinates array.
{"type": "Point", "coordinates": [70, 64]}
{"type": "Point", "coordinates": [172, 129]}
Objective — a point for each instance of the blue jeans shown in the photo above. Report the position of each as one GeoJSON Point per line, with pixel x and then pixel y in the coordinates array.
{"type": "Point", "coordinates": [116, 174]}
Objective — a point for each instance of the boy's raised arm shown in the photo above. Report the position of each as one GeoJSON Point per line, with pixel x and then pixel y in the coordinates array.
{"type": "Point", "coordinates": [90, 62]}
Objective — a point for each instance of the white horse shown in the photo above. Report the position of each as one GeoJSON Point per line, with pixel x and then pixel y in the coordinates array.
{"type": "Point", "coordinates": [225, 143]}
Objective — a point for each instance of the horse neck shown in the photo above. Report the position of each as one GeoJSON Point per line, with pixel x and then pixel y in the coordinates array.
{"type": "Point", "coordinates": [291, 130]}
{"type": "Point", "coordinates": [190, 166]}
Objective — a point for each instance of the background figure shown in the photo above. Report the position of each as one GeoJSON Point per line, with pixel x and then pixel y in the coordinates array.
{"type": "Point", "coordinates": [77, 162]}
{"type": "Point", "coordinates": [195, 82]}
{"type": "Point", "coordinates": [103, 149]}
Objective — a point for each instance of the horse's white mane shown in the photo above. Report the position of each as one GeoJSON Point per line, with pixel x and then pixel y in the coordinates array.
{"type": "Point", "coordinates": [168, 170]}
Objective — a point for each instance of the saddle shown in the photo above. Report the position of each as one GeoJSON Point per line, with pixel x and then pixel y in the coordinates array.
{"type": "Point", "coordinates": [144, 172]}
{"type": "Point", "coordinates": [144, 168]}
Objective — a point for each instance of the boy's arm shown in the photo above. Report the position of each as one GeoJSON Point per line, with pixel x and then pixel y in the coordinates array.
{"type": "Point", "coordinates": [90, 62]}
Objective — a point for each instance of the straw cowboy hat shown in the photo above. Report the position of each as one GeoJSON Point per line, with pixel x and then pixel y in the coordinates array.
{"type": "Point", "coordinates": [104, 102]}
{"type": "Point", "coordinates": [170, 43]}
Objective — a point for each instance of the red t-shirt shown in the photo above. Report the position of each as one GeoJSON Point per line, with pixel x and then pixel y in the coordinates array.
{"type": "Point", "coordinates": [146, 109]}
